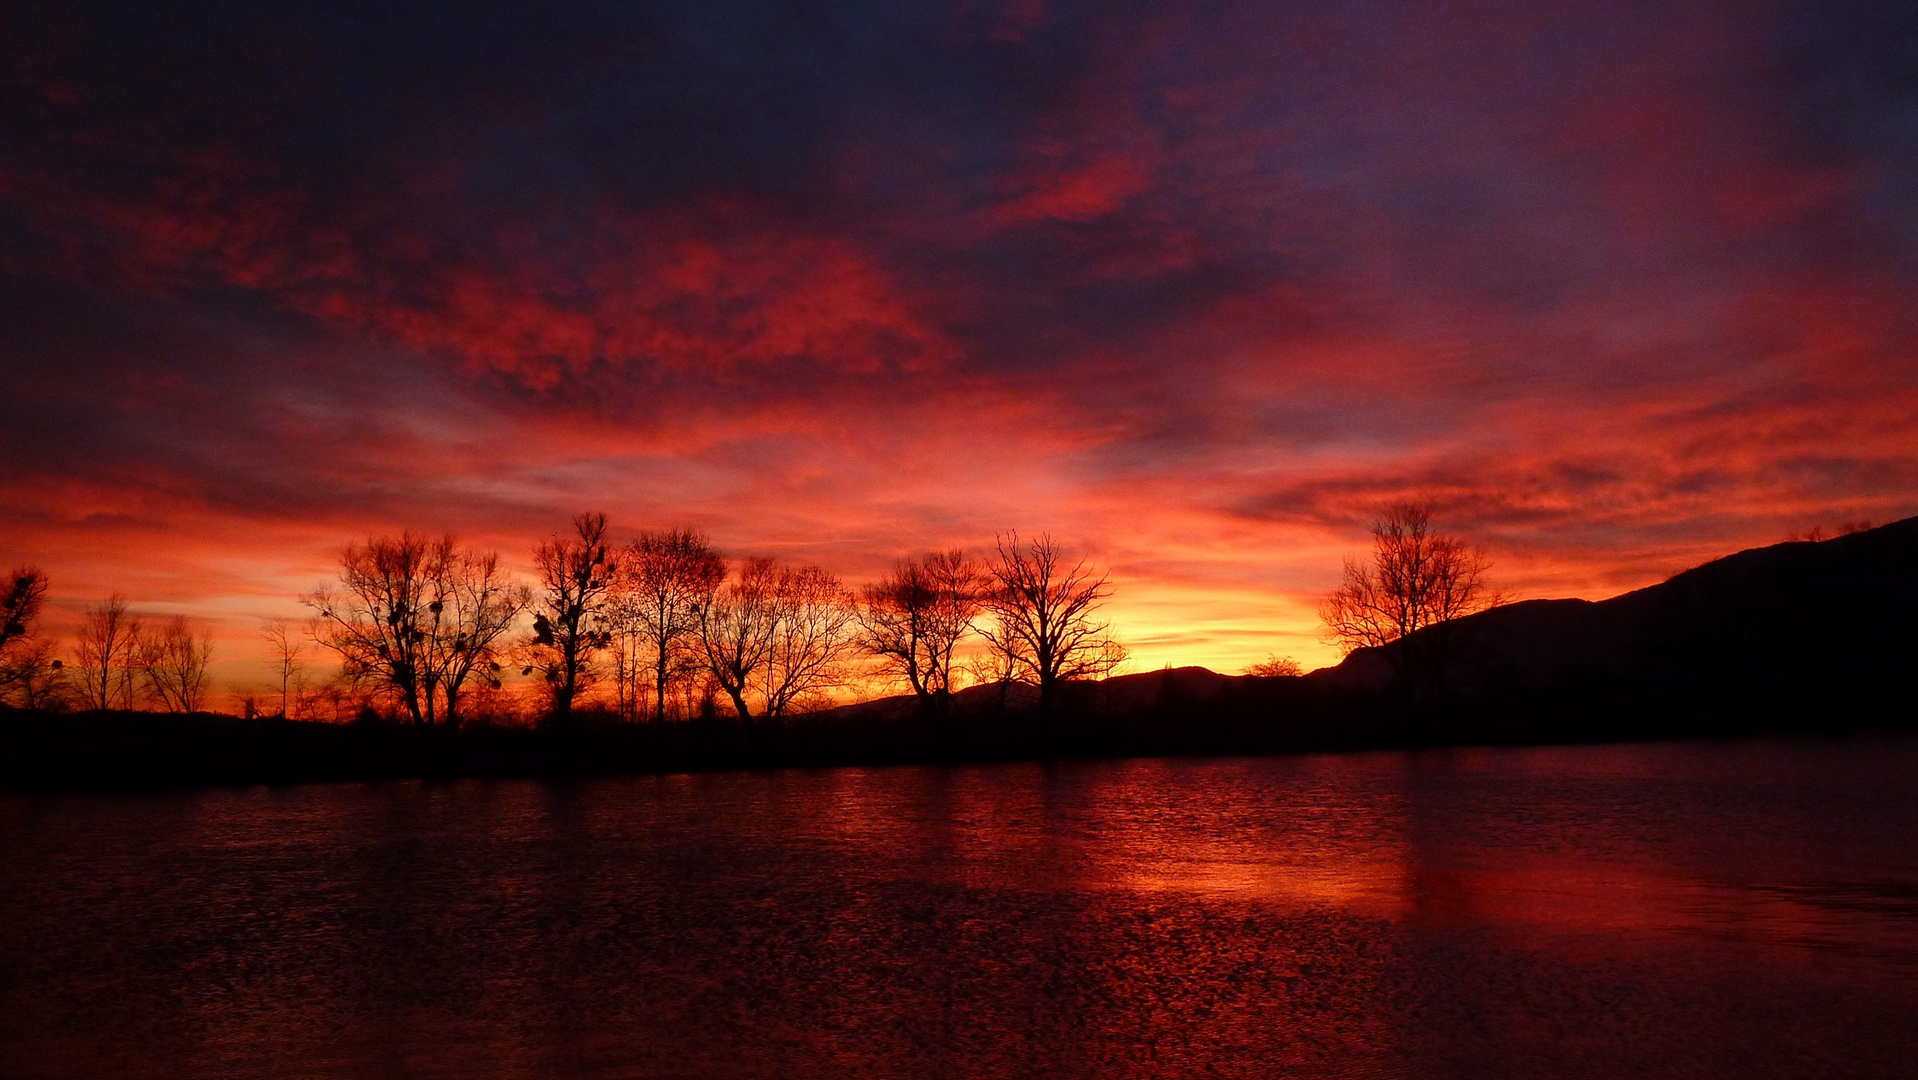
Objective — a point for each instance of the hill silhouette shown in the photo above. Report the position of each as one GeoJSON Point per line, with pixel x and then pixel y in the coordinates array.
{"type": "Point", "coordinates": [1812, 626]}
{"type": "Point", "coordinates": [1810, 637]}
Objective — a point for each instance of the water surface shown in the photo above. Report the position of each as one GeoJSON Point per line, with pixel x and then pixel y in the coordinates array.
{"type": "Point", "coordinates": [1688, 910]}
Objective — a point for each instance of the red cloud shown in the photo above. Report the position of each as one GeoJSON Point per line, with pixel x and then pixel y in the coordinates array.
{"type": "Point", "coordinates": [712, 293]}
{"type": "Point", "coordinates": [1073, 191]}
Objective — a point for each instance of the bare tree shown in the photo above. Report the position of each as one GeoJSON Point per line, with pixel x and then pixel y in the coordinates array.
{"type": "Point", "coordinates": [418, 617]}
{"type": "Point", "coordinates": [106, 653]}
{"type": "Point", "coordinates": [173, 664]}
{"type": "Point", "coordinates": [666, 580]}
{"type": "Point", "coordinates": [477, 607]}
{"type": "Point", "coordinates": [778, 633]}
{"type": "Point", "coordinates": [1276, 667]}
{"type": "Point", "coordinates": [632, 672]}
{"type": "Point", "coordinates": [914, 620]}
{"type": "Point", "coordinates": [736, 627]}
{"type": "Point", "coordinates": [1403, 601]}
{"type": "Point", "coordinates": [575, 572]}
{"type": "Point", "coordinates": [286, 649]}
{"type": "Point", "coordinates": [813, 636]}
{"type": "Point", "coordinates": [377, 620]}
{"type": "Point", "coordinates": [20, 604]}
{"type": "Point", "coordinates": [339, 694]}
{"type": "Point", "coordinates": [994, 665]}
{"type": "Point", "coordinates": [31, 675]}
{"type": "Point", "coordinates": [1045, 611]}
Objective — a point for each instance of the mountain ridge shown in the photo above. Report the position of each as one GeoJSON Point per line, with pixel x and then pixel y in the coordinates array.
{"type": "Point", "coordinates": [1709, 629]}
{"type": "Point", "coordinates": [1830, 620]}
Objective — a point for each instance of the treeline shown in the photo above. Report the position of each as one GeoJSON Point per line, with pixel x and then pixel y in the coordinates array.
{"type": "Point", "coordinates": [661, 628]}
{"type": "Point", "coordinates": [999, 654]}
{"type": "Point", "coordinates": [118, 660]}
{"type": "Point", "coordinates": [665, 627]}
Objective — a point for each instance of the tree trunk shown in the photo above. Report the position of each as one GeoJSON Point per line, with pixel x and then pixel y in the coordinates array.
{"type": "Point", "coordinates": [659, 687]}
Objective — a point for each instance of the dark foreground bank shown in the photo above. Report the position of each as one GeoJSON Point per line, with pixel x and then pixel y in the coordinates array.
{"type": "Point", "coordinates": [1184, 712]}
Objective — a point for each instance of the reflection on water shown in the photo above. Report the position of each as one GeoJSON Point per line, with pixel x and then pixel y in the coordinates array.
{"type": "Point", "coordinates": [1726, 910]}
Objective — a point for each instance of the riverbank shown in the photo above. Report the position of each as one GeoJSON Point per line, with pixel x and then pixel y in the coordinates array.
{"type": "Point", "coordinates": [1177, 713]}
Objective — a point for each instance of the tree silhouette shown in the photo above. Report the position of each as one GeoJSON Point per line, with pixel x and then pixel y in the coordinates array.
{"type": "Point", "coordinates": [779, 633]}
{"type": "Point", "coordinates": [30, 673]}
{"type": "Point", "coordinates": [20, 605]}
{"type": "Point", "coordinates": [1405, 599]}
{"type": "Point", "coordinates": [287, 650]}
{"type": "Point", "coordinates": [417, 618]}
{"type": "Point", "coordinates": [1045, 625]}
{"type": "Point", "coordinates": [173, 665]}
{"type": "Point", "coordinates": [736, 626]}
{"type": "Point", "coordinates": [666, 579]}
{"type": "Point", "coordinates": [812, 638]}
{"type": "Point", "coordinates": [914, 620]}
{"type": "Point", "coordinates": [106, 652]}
{"type": "Point", "coordinates": [575, 576]}
{"type": "Point", "coordinates": [480, 606]}
{"type": "Point", "coordinates": [1276, 667]}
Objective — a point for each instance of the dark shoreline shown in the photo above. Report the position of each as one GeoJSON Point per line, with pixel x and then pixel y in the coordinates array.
{"type": "Point", "coordinates": [145, 751]}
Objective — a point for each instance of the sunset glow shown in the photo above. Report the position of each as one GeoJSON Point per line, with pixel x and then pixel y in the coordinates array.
{"type": "Point", "coordinates": [1616, 288]}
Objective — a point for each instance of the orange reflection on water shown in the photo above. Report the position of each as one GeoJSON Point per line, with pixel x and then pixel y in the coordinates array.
{"type": "Point", "coordinates": [1582, 912]}
{"type": "Point", "coordinates": [1144, 829]}
{"type": "Point", "coordinates": [1361, 836]}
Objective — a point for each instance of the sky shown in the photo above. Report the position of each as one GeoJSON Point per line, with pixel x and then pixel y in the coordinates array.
{"type": "Point", "coordinates": [1197, 289]}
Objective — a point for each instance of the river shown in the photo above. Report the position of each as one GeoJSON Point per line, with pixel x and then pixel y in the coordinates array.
{"type": "Point", "coordinates": [1741, 909]}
